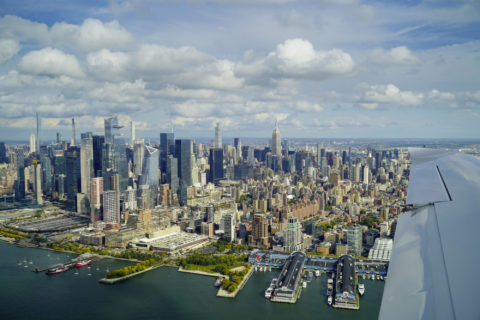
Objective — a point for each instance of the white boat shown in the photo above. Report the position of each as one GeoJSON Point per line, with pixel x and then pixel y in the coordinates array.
{"type": "Point", "coordinates": [330, 281]}
{"type": "Point", "coordinates": [329, 300]}
{"type": "Point", "coordinates": [317, 273]}
{"type": "Point", "coordinates": [363, 276]}
{"type": "Point", "coordinates": [256, 268]}
{"type": "Point", "coordinates": [268, 293]}
{"type": "Point", "coordinates": [381, 277]}
{"type": "Point", "coordinates": [361, 288]}
{"type": "Point", "coordinates": [378, 277]}
{"type": "Point", "coordinates": [304, 284]}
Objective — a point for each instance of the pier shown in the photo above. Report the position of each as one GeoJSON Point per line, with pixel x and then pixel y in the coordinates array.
{"type": "Point", "coordinates": [70, 263]}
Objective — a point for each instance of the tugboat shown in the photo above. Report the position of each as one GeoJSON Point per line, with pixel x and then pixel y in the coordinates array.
{"type": "Point", "coordinates": [329, 300]}
{"type": "Point", "coordinates": [361, 288]}
{"type": "Point", "coordinates": [83, 263]}
{"type": "Point", "coordinates": [57, 269]}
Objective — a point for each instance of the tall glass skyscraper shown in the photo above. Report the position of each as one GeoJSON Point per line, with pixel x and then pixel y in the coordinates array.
{"type": "Point", "coordinates": [216, 164]}
{"type": "Point", "coordinates": [183, 152]}
{"type": "Point", "coordinates": [73, 175]}
{"type": "Point", "coordinates": [20, 182]}
{"type": "Point", "coordinates": [167, 146]}
{"type": "Point", "coordinates": [150, 167]}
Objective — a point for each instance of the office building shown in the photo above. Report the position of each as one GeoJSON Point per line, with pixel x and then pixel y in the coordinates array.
{"type": "Point", "coordinates": [167, 146]}
{"type": "Point", "coordinates": [98, 142]}
{"type": "Point", "coordinates": [86, 163]}
{"type": "Point", "coordinates": [293, 236]}
{"type": "Point", "coordinates": [96, 194]}
{"type": "Point", "coordinates": [229, 227]}
{"type": "Point", "coordinates": [33, 145]}
{"type": "Point", "coordinates": [276, 142]}
{"type": "Point", "coordinates": [72, 184]}
{"type": "Point", "coordinates": [111, 214]}
{"type": "Point", "coordinates": [3, 153]}
{"type": "Point", "coordinates": [216, 164]}
{"type": "Point", "coordinates": [138, 155]}
{"type": "Point", "coordinates": [354, 240]}
{"type": "Point", "coordinates": [237, 143]}
{"type": "Point", "coordinates": [171, 174]}
{"type": "Point", "coordinates": [218, 136]}
{"type": "Point", "coordinates": [150, 174]}
{"type": "Point", "coordinates": [183, 152]}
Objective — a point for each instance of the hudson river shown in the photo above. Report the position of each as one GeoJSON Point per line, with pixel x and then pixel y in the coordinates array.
{"type": "Point", "coordinates": [163, 293]}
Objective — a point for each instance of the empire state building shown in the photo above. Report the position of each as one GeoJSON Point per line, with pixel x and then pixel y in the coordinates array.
{"type": "Point", "coordinates": [276, 145]}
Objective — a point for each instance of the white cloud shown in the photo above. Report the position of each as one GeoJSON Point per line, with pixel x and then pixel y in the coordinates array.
{"type": "Point", "coordinates": [396, 56]}
{"type": "Point", "coordinates": [297, 58]}
{"type": "Point", "coordinates": [8, 48]}
{"type": "Point", "coordinates": [18, 28]}
{"type": "Point", "coordinates": [389, 95]}
{"type": "Point", "coordinates": [50, 62]}
{"type": "Point", "coordinates": [108, 65]}
{"type": "Point", "coordinates": [91, 35]}
{"type": "Point", "coordinates": [305, 106]}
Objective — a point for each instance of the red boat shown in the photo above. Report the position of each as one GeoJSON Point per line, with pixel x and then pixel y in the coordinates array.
{"type": "Point", "coordinates": [57, 269]}
{"type": "Point", "coordinates": [83, 263]}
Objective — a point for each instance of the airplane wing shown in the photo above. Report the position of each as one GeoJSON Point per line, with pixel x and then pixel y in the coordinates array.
{"type": "Point", "coordinates": [436, 252]}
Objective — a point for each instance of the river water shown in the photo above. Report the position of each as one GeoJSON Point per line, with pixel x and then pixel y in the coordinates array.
{"type": "Point", "coordinates": [163, 293]}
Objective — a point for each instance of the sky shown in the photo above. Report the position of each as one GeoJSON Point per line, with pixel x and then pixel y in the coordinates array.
{"type": "Point", "coordinates": [320, 68]}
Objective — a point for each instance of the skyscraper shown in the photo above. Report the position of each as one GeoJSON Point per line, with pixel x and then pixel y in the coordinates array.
{"type": "Point", "coordinates": [96, 193]}
{"type": "Point", "coordinates": [38, 182]}
{"type": "Point", "coordinates": [183, 152]}
{"type": "Point", "coordinates": [167, 146]}
{"type": "Point", "coordinates": [98, 142]}
{"type": "Point", "coordinates": [259, 236]}
{"type": "Point", "coordinates": [216, 164]}
{"type": "Point", "coordinates": [229, 227]}
{"type": "Point", "coordinates": [138, 155]}
{"type": "Point", "coordinates": [86, 163]}
{"type": "Point", "coordinates": [237, 143]}
{"type": "Point", "coordinates": [20, 182]}
{"type": "Point", "coordinates": [33, 145]}
{"type": "Point", "coordinates": [218, 136]}
{"type": "Point", "coordinates": [276, 143]}
{"type": "Point", "coordinates": [46, 175]}
{"type": "Point", "coordinates": [73, 175]}
{"type": "Point", "coordinates": [3, 153]}
{"type": "Point", "coordinates": [73, 143]}
{"type": "Point", "coordinates": [171, 175]}
{"type": "Point", "coordinates": [293, 236]}
{"type": "Point", "coordinates": [132, 132]}
{"type": "Point", "coordinates": [110, 212]}
{"type": "Point", "coordinates": [150, 167]}
{"type": "Point", "coordinates": [354, 240]}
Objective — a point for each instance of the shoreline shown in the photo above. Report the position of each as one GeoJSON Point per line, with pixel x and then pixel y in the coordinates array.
{"type": "Point", "coordinates": [115, 280]}
{"type": "Point", "coordinates": [225, 294]}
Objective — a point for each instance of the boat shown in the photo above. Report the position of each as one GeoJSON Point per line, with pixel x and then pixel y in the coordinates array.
{"type": "Point", "coordinates": [304, 284]}
{"type": "Point", "coordinates": [381, 277]}
{"type": "Point", "coordinates": [273, 283]}
{"type": "Point", "coordinates": [218, 282]}
{"type": "Point", "coordinates": [57, 269]}
{"type": "Point", "coordinates": [83, 263]}
{"type": "Point", "coordinates": [330, 281]}
{"type": "Point", "coordinates": [329, 290]}
{"type": "Point", "coordinates": [363, 276]}
{"type": "Point", "coordinates": [329, 300]}
{"type": "Point", "coordinates": [361, 288]}
{"type": "Point", "coordinates": [268, 293]}
{"type": "Point", "coordinates": [333, 275]}
{"type": "Point", "coordinates": [317, 273]}
{"type": "Point", "coordinates": [378, 277]}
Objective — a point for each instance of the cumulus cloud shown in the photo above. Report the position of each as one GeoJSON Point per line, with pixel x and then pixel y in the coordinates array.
{"type": "Point", "coordinates": [91, 35]}
{"type": "Point", "coordinates": [18, 28]}
{"type": "Point", "coordinates": [108, 65]}
{"type": "Point", "coordinates": [389, 95]}
{"type": "Point", "coordinates": [297, 58]}
{"type": "Point", "coordinates": [50, 62]}
{"type": "Point", "coordinates": [305, 106]}
{"type": "Point", "coordinates": [396, 56]}
{"type": "Point", "coordinates": [8, 48]}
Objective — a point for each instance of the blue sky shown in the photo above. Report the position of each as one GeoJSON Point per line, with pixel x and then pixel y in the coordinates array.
{"type": "Point", "coordinates": [322, 68]}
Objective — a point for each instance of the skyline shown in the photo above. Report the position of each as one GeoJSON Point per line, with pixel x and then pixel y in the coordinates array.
{"type": "Point", "coordinates": [351, 70]}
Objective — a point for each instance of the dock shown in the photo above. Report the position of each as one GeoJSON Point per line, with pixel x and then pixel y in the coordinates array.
{"type": "Point", "coordinates": [70, 263]}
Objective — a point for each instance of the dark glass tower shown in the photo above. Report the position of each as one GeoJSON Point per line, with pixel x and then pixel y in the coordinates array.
{"type": "Point", "coordinates": [98, 142]}
{"type": "Point", "coordinates": [73, 175]}
{"type": "Point", "coordinates": [20, 182]}
{"type": "Point", "coordinates": [183, 152]}
{"type": "Point", "coordinates": [3, 153]}
{"type": "Point", "coordinates": [216, 164]}
{"type": "Point", "coordinates": [167, 146]}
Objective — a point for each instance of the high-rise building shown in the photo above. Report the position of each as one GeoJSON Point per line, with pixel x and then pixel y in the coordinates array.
{"type": "Point", "coordinates": [167, 146]}
{"type": "Point", "coordinates": [59, 137]}
{"type": "Point", "coordinates": [218, 136]}
{"type": "Point", "coordinates": [138, 155]}
{"type": "Point", "coordinates": [216, 164]}
{"type": "Point", "coordinates": [38, 182]}
{"type": "Point", "coordinates": [20, 182]}
{"type": "Point", "coordinates": [237, 143]}
{"type": "Point", "coordinates": [293, 236]}
{"type": "Point", "coordinates": [150, 167]}
{"type": "Point", "coordinates": [46, 175]}
{"type": "Point", "coordinates": [276, 142]}
{"type": "Point", "coordinates": [98, 142]}
{"type": "Point", "coordinates": [354, 240]}
{"type": "Point", "coordinates": [110, 210]}
{"type": "Point", "coordinates": [3, 153]}
{"type": "Point", "coordinates": [259, 236]}
{"type": "Point", "coordinates": [109, 123]}
{"type": "Point", "coordinates": [183, 152]}
{"type": "Point", "coordinates": [73, 143]}
{"type": "Point", "coordinates": [229, 227]}
{"type": "Point", "coordinates": [171, 175]}
{"type": "Point", "coordinates": [96, 193]}
{"type": "Point", "coordinates": [86, 163]}
{"type": "Point", "coordinates": [33, 145]}
{"type": "Point", "coordinates": [72, 184]}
